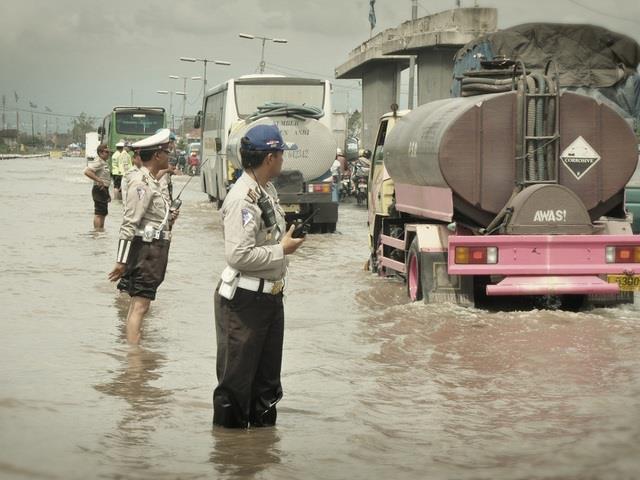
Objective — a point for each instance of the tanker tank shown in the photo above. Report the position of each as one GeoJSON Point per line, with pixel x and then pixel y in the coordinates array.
{"type": "Point", "coordinates": [471, 145]}
{"type": "Point", "coordinates": [316, 144]}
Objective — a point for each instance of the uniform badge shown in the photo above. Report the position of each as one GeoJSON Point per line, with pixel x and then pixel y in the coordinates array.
{"type": "Point", "coordinates": [141, 192]}
{"type": "Point", "coordinates": [247, 216]}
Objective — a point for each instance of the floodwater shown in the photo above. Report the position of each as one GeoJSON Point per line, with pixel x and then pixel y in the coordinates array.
{"type": "Point", "coordinates": [374, 387]}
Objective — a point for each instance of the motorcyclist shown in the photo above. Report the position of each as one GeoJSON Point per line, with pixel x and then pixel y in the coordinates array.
{"type": "Point", "coordinates": [194, 162]}
{"type": "Point", "coordinates": [361, 166]}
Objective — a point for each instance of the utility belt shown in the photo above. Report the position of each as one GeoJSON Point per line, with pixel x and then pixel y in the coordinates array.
{"type": "Point", "coordinates": [150, 233]}
{"type": "Point", "coordinates": [232, 279]}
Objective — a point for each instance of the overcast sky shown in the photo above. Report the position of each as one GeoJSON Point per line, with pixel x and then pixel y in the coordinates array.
{"type": "Point", "coordinates": [86, 55]}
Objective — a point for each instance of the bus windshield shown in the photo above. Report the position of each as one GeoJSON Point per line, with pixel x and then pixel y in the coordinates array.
{"type": "Point", "coordinates": [251, 96]}
{"type": "Point", "coordinates": [137, 123]}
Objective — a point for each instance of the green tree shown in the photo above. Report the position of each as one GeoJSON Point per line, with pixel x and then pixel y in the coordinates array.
{"type": "Point", "coordinates": [81, 125]}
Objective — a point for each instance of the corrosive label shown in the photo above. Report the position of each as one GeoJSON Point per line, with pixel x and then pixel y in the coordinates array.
{"type": "Point", "coordinates": [579, 157]}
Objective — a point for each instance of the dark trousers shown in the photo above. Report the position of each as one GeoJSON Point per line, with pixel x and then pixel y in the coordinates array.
{"type": "Point", "coordinates": [249, 333]}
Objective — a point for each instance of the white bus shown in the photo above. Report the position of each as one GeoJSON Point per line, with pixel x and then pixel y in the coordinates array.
{"type": "Point", "coordinates": [227, 105]}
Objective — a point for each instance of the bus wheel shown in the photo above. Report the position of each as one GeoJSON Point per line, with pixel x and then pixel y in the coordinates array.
{"type": "Point", "coordinates": [218, 201]}
{"type": "Point", "coordinates": [414, 283]}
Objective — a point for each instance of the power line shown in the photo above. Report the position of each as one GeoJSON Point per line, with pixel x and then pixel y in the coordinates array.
{"type": "Point", "coordinates": [600, 12]}
{"type": "Point", "coordinates": [319, 75]}
{"type": "Point", "coordinates": [423, 7]}
{"type": "Point", "coordinates": [51, 114]}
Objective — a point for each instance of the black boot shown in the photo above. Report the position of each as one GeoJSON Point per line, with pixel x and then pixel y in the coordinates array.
{"type": "Point", "coordinates": [224, 414]}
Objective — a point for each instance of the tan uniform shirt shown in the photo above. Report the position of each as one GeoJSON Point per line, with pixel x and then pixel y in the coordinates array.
{"type": "Point", "coordinates": [101, 168]}
{"type": "Point", "coordinates": [249, 245]}
{"type": "Point", "coordinates": [145, 203]}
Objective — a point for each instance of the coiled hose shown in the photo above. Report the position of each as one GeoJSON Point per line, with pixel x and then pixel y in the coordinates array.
{"type": "Point", "coordinates": [280, 109]}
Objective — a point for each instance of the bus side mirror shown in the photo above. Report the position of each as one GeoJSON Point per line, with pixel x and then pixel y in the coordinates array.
{"type": "Point", "coordinates": [100, 130]}
{"type": "Point", "coordinates": [197, 120]}
{"type": "Point", "coordinates": [218, 144]}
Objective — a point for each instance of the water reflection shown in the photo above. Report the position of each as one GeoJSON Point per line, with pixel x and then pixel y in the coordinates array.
{"type": "Point", "coordinates": [132, 383]}
{"type": "Point", "coordinates": [244, 453]}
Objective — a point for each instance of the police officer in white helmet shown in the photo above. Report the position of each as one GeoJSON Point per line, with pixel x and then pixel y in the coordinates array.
{"type": "Point", "coordinates": [145, 234]}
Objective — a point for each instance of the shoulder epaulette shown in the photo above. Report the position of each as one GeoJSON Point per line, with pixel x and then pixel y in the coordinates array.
{"type": "Point", "coordinates": [252, 196]}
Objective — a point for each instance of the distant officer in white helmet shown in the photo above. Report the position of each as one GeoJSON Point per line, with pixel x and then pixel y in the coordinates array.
{"type": "Point", "coordinates": [145, 234]}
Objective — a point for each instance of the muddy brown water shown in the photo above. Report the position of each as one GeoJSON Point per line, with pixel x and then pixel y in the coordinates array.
{"type": "Point", "coordinates": [374, 387]}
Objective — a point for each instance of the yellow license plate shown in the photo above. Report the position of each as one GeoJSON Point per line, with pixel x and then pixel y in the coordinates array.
{"type": "Point", "coordinates": [627, 283]}
{"type": "Point", "coordinates": [290, 208]}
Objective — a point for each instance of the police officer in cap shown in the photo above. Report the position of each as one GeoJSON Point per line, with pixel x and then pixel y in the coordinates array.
{"type": "Point", "coordinates": [248, 305]}
{"type": "Point", "coordinates": [145, 233]}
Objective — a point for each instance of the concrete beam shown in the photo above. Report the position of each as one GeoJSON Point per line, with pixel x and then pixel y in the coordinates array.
{"type": "Point", "coordinates": [369, 54]}
{"type": "Point", "coordinates": [453, 28]}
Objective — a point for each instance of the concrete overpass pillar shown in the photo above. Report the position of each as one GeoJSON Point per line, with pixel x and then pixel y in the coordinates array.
{"type": "Point", "coordinates": [435, 70]}
{"type": "Point", "coordinates": [380, 89]}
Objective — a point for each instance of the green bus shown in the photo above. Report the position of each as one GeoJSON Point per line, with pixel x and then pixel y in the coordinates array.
{"type": "Point", "coordinates": [131, 124]}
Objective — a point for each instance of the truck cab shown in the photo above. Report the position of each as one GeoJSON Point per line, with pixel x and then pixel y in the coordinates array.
{"type": "Point", "coordinates": [381, 188]}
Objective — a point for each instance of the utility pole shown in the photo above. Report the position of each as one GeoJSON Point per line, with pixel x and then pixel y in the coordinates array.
{"type": "Point", "coordinates": [184, 106]}
{"type": "Point", "coordinates": [33, 132]}
{"type": "Point", "coordinates": [4, 120]}
{"type": "Point", "coordinates": [412, 58]}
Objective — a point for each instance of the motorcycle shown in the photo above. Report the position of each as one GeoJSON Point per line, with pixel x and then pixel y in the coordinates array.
{"type": "Point", "coordinates": [361, 190]}
{"type": "Point", "coordinates": [345, 186]}
{"type": "Point", "coordinates": [360, 182]}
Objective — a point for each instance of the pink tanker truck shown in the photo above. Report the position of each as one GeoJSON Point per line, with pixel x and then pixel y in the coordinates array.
{"type": "Point", "coordinates": [514, 193]}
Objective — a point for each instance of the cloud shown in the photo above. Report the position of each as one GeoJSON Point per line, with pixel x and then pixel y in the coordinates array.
{"type": "Point", "coordinates": [88, 55]}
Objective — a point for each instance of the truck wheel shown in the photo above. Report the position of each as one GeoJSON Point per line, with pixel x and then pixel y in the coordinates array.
{"type": "Point", "coordinates": [414, 272]}
{"type": "Point", "coordinates": [374, 259]}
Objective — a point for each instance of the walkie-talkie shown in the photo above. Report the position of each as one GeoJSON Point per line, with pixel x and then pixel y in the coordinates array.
{"type": "Point", "coordinates": [268, 213]}
{"type": "Point", "coordinates": [301, 229]}
{"type": "Point", "coordinates": [175, 205]}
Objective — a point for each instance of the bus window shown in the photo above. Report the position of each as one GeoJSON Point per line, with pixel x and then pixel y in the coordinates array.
{"type": "Point", "coordinates": [214, 113]}
{"type": "Point", "coordinates": [250, 96]}
{"type": "Point", "coordinates": [135, 123]}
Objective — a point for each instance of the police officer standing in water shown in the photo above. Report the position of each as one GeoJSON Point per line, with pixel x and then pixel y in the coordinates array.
{"type": "Point", "coordinates": [249, 313]}
{"type": "Point", "coordinates": [145, 233]}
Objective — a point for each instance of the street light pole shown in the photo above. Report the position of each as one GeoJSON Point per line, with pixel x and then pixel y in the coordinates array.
{"type": "Point", "coordinates": [264, 41]}
{"type": "Point", "coordinates": [204, 61]}
{"type": "Point", "coordinates": [262, 64]}
{"type": "Point", "coordinates": [170, 93]}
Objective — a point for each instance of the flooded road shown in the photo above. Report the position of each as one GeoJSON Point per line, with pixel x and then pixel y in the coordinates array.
{"type": "Point", "coordinates": [374, 387]}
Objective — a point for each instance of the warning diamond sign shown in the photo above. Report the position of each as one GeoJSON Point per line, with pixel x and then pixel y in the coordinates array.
{"type": "Point", "coordinates": [579, 157]}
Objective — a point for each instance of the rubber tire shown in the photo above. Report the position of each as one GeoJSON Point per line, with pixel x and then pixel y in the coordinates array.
{"type": "Point", "coordinates": [414, 273]}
